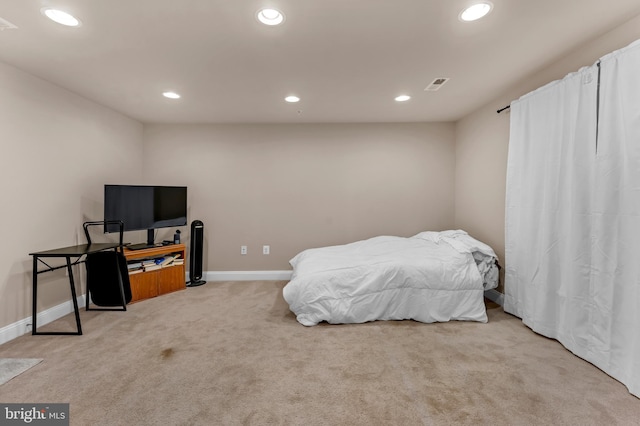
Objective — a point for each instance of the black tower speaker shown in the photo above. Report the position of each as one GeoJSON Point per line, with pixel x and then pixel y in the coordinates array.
{"type": "Point", "coordinates": [195, 260]}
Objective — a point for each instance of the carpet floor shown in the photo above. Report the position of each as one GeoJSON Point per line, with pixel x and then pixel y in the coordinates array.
{"type": "Point", "coordinates": [231, 353]}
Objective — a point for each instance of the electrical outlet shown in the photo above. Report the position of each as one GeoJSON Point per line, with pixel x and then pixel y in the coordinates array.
{"type": "Point", "coordinates": [266, 249]}
{"type": "Point", "coordinates": [243, 250]}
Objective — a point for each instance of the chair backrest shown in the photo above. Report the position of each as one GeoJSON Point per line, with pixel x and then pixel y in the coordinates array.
{"type": "Point", "coordinates": [108, 278]}
{"type": "Point", "coordinates": [104, 223]}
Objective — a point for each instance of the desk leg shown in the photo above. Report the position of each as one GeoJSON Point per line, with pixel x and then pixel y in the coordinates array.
{"type": "Point", "coordinates": [34, 312]}
{"type": "Point", "coordinates": [73, 295]}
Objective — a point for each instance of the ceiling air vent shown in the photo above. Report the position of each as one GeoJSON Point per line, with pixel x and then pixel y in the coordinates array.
{"type": "Point", "coordinates": [436, 84]}
{"type": "Point", "coordinates": [6, 25]}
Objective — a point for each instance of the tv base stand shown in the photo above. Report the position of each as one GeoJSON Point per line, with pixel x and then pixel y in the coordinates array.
{"type": "Point", "coordinates": [141, 246]}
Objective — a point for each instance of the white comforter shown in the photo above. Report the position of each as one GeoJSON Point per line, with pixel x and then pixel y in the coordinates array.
{"type": "Point", "coordinates": [430, 277]}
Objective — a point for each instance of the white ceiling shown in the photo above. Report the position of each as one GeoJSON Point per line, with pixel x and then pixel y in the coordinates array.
{"type": "Point", "coordinates": [346, 59]}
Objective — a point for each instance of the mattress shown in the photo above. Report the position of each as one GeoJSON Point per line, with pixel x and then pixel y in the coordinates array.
{"type": "Point", "coordinates": [430, 277]}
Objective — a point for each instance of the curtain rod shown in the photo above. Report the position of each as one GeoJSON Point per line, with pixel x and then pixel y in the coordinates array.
{"type": "Point", "coordinates": [503, 109]}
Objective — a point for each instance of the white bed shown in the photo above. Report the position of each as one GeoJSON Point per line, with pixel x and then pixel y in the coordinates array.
{"type": "Point", "coordinates": [430, 277]}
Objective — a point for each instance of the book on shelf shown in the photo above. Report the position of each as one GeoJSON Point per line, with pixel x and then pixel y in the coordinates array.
{"type": "Point", "coordinates": [170, 260]}
{"type": "Point", "coordinates": [154, 263]}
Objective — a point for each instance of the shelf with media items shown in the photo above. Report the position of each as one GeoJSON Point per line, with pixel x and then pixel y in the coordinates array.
{"type": "Point", "coordinates": [156, 271]}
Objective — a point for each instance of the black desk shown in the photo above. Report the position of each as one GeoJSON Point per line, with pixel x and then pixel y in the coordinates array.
{"type": "Point", "coordinates": [73, 252]}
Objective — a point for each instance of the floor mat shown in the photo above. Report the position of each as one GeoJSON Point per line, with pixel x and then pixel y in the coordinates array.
{"type": "Point", "coordinates": [12, 367]}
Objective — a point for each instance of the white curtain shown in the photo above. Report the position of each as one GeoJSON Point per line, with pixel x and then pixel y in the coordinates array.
{"type": "Point", "coordinates": [572, 249]}
{"type": "Point", "coordinates": [615, 322]}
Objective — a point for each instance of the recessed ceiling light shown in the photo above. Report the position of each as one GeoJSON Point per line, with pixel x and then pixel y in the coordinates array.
{"type": "Point", "coordinates": [171, 95]}
{"type": "Point", "coordinates": [292, 99]}
{"type": "Point", "coordinates": [270, 16]}
{"type": "Point", "coordinates": [402, 98]}
{"type": "Point", "coordinates": [61, 17]}
{"type": "Point", "coordinates": [476, 11]}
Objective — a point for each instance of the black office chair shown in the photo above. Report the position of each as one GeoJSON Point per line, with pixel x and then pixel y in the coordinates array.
{"type": "Point", "coordinates": [107, 274]}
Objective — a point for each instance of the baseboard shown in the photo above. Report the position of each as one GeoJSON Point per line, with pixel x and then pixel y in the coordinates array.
{"type": "Point", "coordinates": [247, 275]}
{"type": "Point", "coordinates": [495, 296]}
{"type": "Point", "coordinates": [23, 326]}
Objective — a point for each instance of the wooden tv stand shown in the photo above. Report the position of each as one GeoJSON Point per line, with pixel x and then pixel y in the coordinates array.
{"type": "Point", "coordinates": [147, 284]}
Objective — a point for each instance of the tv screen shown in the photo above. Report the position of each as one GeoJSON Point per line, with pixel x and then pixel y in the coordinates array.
{"type": "Point", "coordinates": [143, 207]}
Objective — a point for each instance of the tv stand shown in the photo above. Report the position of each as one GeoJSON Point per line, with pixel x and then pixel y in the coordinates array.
{"type": "Point", "coordinates": [147, 284]}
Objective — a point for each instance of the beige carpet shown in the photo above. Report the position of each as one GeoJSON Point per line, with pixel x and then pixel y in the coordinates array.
{"type": "Point", "coordinates": [232, 354]}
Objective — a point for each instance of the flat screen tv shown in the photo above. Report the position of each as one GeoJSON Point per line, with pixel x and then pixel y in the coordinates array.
{"type": "Point", "coordinates": [143, 207]}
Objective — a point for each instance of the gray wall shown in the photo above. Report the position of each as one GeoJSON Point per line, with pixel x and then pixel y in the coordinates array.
{"type": "Point", "coordinates": [58, 150]}
{"type": "Point", "coordinates": [298, 186]}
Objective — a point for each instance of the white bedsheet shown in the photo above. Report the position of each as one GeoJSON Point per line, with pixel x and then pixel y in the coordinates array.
{"type": "Point", "coordinates": [430, 277]}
